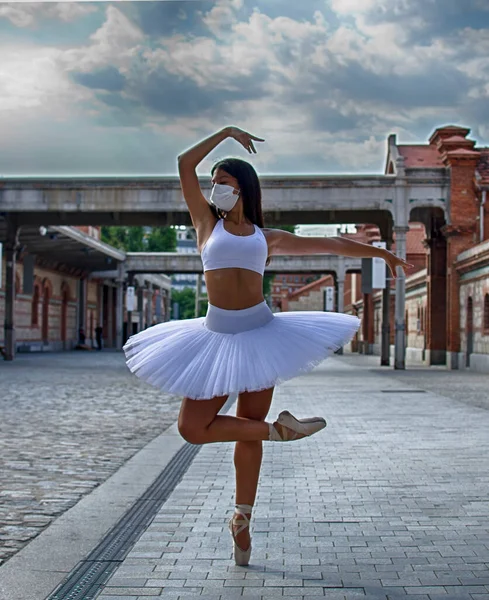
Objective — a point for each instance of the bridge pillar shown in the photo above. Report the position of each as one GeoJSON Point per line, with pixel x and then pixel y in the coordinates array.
{"type": "Point", "coordinates": [130, 282]}
{"type": "Point", "coordinates": [386, 317]}
{"type": "Point", "coordinates": [140, 292]}
{"type": "Point", "coordinates": [198, 291]}
{"type": "Point", "coordinates": [340, 289]}
{"type": "Point", "coordinates": [119, 309]}
{"type": "Point", "coordinates": [149, 305]}
{"type": "Point", "coordinates": [167, 301]}
{"type": "Point", "coordinates": [11, 247]}
{"type": "Point", "coordinates": [385, 335]}
{"type": "Point", "coordinates": [81, 311]}
{"type": "Point", "coordinates": [400, 306]}
{"type": "Point", "coordinates": [368, 324]}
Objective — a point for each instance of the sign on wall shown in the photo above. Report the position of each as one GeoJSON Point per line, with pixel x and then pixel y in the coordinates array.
{"type": "Point", "coordinates": [378, 269]}
{"type": "Point", "coordinates": [329, 298]}
{"type": "Point", "coordinates": [130, 298]}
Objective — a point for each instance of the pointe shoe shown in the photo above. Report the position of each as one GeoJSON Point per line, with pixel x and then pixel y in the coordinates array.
{"type": "Point", "coordinates": [294, 429]}
{"type": "Point", "coordinates": [241, 557]}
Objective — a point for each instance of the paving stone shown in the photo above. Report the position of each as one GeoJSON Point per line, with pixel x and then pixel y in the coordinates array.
{"type": "Point", "coordinates": [388, 502]}
{"type": "Point", "coordinates": [69, 421]}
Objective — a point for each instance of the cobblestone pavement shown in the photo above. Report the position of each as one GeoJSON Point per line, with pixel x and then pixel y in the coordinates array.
{"type": "Point", "coordinates": [468, 386]}
{"type": "Point", "coordinates": [389, 501]}
{"type": "Point", "coordinates": [68, 421]}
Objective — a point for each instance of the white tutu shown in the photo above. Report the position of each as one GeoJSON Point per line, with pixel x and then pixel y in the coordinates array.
{"type": "Point", "coordinates": [231, 351]}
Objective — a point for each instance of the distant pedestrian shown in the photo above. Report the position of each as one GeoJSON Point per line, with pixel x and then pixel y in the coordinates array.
{"type": "Point", "coordinates": [240, 346]}
{"type": "Point", "coordinates": [98, 336]}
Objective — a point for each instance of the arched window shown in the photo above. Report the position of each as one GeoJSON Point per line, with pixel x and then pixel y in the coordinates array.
{"type": "Point", "coordinates": [486, 314]}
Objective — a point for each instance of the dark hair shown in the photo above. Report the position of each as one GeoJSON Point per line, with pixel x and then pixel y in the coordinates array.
{"type": "Point", "coordinates": [249, 185]}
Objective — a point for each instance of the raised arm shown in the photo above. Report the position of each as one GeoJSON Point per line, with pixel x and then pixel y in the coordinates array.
{"type": "Point", "coordinates": [283, 242]}
{"type": "Point", "coordinates": [198, 206]}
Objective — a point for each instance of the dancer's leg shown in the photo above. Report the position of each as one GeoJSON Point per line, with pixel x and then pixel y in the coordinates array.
{"type": "Point", "coordinates": [199, 423]}
{"type": "Point", "coordinates": [248, 455]}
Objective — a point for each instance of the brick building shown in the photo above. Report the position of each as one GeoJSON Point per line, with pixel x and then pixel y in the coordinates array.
{"type": "Point", "coordinates": [58, 292]}
{"type": "Point", "coordinates": [447, 294]}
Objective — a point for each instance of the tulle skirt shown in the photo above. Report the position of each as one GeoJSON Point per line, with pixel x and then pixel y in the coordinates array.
{"type": "Point", "coordinates": [231, 351]}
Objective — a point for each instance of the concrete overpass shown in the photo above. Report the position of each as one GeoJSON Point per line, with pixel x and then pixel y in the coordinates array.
{"type": "Point", "coordinates": [389, 201]}
{"type": "Point", "coordinates": [287, 199]}
{"type": "Point", "coordinates": [172, 262]}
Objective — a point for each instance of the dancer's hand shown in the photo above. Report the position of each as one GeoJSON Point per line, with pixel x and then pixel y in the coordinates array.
{"type": "Point", "coordinates": [394, 261]}
{"type": "Point", "coordinates": [244, 138]}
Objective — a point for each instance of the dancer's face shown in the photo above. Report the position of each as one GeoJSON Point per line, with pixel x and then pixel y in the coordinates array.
{"type": "Point", "coordinates": [224, 178]}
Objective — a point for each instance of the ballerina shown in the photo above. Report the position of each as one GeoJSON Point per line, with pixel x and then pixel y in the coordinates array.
{"type": "Point", "coordinates": [240, 346]}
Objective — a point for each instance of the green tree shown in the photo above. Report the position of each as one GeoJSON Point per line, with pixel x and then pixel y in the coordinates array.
{"type": "Point", "coordinates": [186, 301]}
{"type": "Point", "coordinates": [162, 239]}
{"type": "Point", "coordinates": [136, 239]}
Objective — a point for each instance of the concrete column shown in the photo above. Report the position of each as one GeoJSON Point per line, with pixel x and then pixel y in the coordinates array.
{"type": "Point", "coordinates": [100, 294]}
{"type": "Point", "coordinates": [141, 307]}
{"type": "Point", "coordinates": [385, 340]}
{"type": "Point", "coordinates": [11, 247]}
{"type": "Point", "coordinates": [158, 305]}
{"type": "Point", "coordinates": [110, 317]}
{"type": "Point", "coordinates": [368, 323]}
{"type": "Point", "coordinates": [130, 282]}
{"type": "Point", "coordinates": [340, 289]}
{"type": "Point", "coordinates": [340, 284]}
{"type": "Point", "coordinates": [119, 309]}
{"type": "Point", "coordinates": [197, 294]}
{"type": "Point", "coordinates": [400, 310]}
{"type": "Point", "coordinates": [81, 308]}
{"type": "Point", "coordinates": [386, 303]}
{"type": "Point", "coordinates": [149, 306]}
{"type": "Point", "coordinates": [167, 305]}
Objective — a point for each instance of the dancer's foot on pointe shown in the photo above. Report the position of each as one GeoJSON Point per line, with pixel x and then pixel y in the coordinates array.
{"type": "Point", "coordinates": [287, 427]}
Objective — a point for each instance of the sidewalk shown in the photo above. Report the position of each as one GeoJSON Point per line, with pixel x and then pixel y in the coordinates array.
{"type": "Point", "coordinates": [391, 500]}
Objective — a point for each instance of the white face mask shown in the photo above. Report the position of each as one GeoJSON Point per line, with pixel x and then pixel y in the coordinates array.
{"type": "Point", "coordinates": [223, 196]}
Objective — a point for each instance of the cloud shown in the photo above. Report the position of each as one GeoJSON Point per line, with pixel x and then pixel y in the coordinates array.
{"type": "Point", "coordinates": [29, 14]}
{"type": "Point", "coordinates": [31, 78]}
{"type": "Point", "coordinates": [323, 82]}
{"type": "Point", "coordinates": [222, 16]}
{"type": "Point", "coordinates": [113, 44]}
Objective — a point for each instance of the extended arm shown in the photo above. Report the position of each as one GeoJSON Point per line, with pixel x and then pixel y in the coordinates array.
{"type": "Point", "coordinates": [283, 242]}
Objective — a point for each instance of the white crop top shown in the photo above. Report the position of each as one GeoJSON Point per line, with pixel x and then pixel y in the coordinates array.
{"type": "Point", "coordinates": [224, 250]}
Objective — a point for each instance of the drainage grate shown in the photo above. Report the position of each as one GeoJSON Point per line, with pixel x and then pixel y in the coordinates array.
{"type": "Point", "coordinates": [87, 579]}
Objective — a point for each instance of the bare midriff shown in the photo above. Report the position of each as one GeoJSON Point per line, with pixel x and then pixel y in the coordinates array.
{"type": "Point", "coordinates": [234, 288]}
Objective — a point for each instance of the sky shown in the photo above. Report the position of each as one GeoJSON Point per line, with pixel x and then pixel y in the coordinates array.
{"type": "Point", "coordinates": [122, 88]}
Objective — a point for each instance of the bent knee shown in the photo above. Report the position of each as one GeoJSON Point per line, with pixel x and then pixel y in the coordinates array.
{"type": "Point", "coordinates": [191, 432]}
